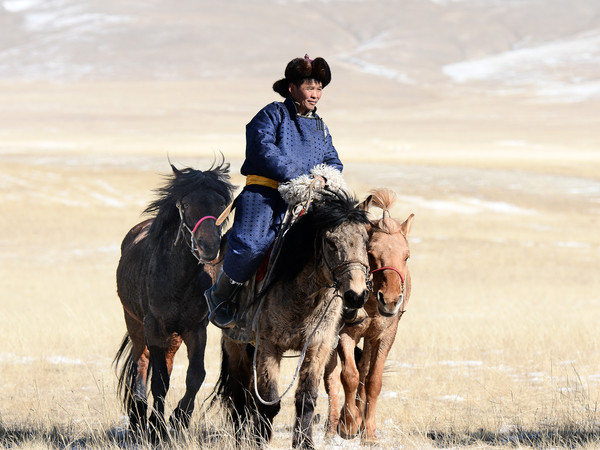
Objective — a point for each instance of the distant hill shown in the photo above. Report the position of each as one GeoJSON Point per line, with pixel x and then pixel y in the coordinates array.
{"type": "Point", "coordinates": [549, 48]}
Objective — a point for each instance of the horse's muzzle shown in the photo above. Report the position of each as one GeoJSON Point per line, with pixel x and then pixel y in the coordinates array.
{"type": "Point", "coordinates": [389, 309]}
{"type": "Point", "coordinates": [355, 300]}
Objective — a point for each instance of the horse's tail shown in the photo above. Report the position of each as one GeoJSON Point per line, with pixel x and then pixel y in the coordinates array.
{"type": "Point", "coordinates": [126, 369]}
{"type": "Point", "coordinates": [223, 390]}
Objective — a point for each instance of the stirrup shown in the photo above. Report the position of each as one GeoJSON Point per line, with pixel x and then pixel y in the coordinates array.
{"type": "Point", "coordinates": [223, 315]}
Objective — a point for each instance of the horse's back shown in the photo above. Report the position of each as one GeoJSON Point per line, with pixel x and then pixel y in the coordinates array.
{"type": "Point", "coordinates": [136, 234]}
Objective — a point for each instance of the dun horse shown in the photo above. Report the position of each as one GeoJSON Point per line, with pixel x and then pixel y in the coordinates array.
{"type": "Point", "coordinates": [322, 266]}
{"type": "Point", "coordinates": [161, 277]}
{"type": "Point", "coordinates": [388, 254]}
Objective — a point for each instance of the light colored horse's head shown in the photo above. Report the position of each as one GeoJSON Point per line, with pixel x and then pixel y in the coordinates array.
{"type": "Point", "coordinates": [388, 255]}
{"type": "Point", "coordinates": [345, 260]}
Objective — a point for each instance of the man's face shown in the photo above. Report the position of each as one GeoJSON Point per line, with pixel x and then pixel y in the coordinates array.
{"type": "Point", "coordinates": [307, 95]}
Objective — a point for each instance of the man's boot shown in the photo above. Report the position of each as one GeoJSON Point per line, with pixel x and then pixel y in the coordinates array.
{"type": "Point", "coordinates": [220, 298]}
{"type": "Point", "coordinates": [353, 316]}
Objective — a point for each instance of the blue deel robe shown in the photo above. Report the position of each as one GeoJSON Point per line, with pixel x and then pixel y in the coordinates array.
{"type": "Point", "coordinates": [281, 145]}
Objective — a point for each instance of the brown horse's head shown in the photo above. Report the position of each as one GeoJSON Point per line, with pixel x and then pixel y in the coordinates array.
{"type": "Point", "coordinates": [388, 255]}
{"type": "Point", "coordinates": [192, 200]}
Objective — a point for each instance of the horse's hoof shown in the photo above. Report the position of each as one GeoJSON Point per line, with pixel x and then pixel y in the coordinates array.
{"type": "Point", "coordinates": [369, 441]}
{"type": "Point", "coordinates": [328, 438]}
{"type": "Point", "coordinates": [304, 444]}
{"type": "Point", "coordinates": [179, 421]}
{"type": "Point", "coordinates": [345, 435]}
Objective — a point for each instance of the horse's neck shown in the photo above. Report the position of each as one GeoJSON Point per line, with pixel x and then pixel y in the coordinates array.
{"type": "Point", "coordinates": [179, 257]}
{"type": "Point", "coordinates": [310, 279]}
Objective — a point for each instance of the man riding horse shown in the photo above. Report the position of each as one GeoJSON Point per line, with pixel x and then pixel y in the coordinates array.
{"type": "Point", "coordinates": [284, 140]}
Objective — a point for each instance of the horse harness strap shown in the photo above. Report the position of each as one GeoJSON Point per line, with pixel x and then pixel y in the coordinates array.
{"type": "Point", "coordinates": [389, 268]}
{"type": "Point", "coordinates": [348, 266]}
{"type": "Point", "coordinates": [202, 220]}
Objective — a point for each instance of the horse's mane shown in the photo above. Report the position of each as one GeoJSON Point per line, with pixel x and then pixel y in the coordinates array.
{"type": "Point", "coordinates": [385, 198]}
{"type": "Point", "coordinates": [181, 182]}
{"type": "Point", "coordinates": [326, 213]}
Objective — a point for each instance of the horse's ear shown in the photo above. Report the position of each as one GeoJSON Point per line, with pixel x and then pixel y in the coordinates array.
{"type": "Point", "coordinates": [366, 203]}
{"type": "Point", "coordinates": [407, 225]}
{"type": "Point", "coordinates": [175, 170]}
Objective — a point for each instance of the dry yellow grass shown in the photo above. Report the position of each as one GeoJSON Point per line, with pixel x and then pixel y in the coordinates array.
{"type": "Point", "coordinates": [501, 338]}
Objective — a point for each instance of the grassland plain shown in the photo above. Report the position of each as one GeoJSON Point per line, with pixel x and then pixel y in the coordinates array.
{"type": "Point", "coordinates": [500, 342]}
{"type": "Point", "coordinates": [482, 115]}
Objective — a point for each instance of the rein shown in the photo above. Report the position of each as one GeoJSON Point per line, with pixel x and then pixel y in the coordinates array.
{"type": "Point", "coordinates": [300, 361]}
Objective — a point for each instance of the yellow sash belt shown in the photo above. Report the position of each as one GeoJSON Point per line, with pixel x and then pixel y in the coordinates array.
{"type": "Point", "coordinates": [263, 181]}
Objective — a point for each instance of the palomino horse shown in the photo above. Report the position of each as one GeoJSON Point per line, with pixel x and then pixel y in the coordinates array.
{"type": "Point", "coordinates": [323, 265]}
{"type": "Point", "coordinates": [162, 274]}
{"type": "Point", "coordinates": [388, 255]}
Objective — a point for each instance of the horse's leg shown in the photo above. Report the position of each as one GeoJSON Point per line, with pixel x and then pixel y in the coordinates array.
{"type": "Point", "coordinates": [309, 378]}
{"type": "Point", "coordinates": [364, 366]}
{"type": "Point", "coordinates": [332, 387]}
{"type": "Point", "coordinates": [195, 343]}
{"type": "Point", "coordinates": [373, 382]}
{"type": "Point", "coordinates": [162, 352]}
{"type": "Point", "coordinates": [267, 367]}
{"type": "Point", "coordinates": [137, 403]}
{"type": "Point", "coordinates": [350, 418]}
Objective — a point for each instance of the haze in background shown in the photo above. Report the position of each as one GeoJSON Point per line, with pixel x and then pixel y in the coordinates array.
{"type": "Point", "coordinates": [483, 80]}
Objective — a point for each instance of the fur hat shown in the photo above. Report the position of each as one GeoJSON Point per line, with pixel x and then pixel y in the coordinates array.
{"type": "Point", "coordinates": [299, 68]}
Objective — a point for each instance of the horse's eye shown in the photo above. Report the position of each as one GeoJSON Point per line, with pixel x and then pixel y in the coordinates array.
{"type": "Point", "coordinates": [185, 205]}
{"type": "Point", "coordinates": [330, 245]}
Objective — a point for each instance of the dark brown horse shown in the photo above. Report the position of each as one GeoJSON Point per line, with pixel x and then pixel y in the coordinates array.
{"type": "Point", "coordinates": [322, 266]}
{"type": "Point", "coordinates": [164, 269]}
{"type": "Point", "coordinates": [388, 255]}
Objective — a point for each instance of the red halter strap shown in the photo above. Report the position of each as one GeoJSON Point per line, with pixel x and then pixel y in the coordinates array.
{"type": "Point", "coordinates": [390, 268]}
{"type": "Point", "coordinates": [202, 220]}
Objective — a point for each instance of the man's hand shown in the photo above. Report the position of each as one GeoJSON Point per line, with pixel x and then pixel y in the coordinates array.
{"type": "Point", "coordinates": [319, 181]}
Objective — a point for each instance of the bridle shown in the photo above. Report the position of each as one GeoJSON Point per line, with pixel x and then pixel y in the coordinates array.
{"type": "Point", "coordinates": [192, 241]}
{"type": "Point", "coordinates": [389, 268]}
{"type": "Point", "coordinates": [345, 267]}
{"type": "Point", "coordinates": [396, 310]}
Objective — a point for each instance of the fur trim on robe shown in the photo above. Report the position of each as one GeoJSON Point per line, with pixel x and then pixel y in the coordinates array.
{"type": "Point", "coordinates": [296, 191]}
